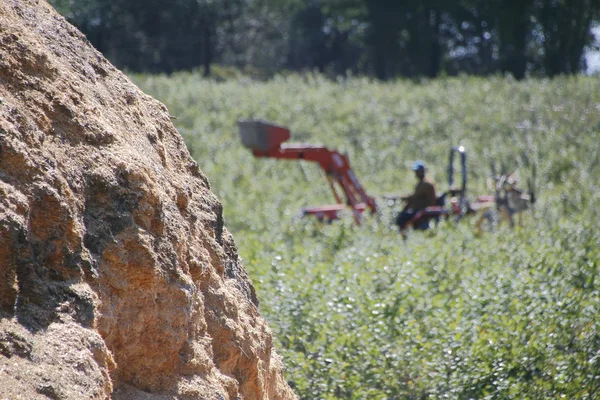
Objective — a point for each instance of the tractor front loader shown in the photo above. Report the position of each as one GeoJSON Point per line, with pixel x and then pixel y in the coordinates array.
{"type": "Point", "coordinates": [266, 140]}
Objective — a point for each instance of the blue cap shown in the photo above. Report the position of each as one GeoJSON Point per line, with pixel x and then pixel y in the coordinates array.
{"type": "Point", "coordinates": [418, 165]}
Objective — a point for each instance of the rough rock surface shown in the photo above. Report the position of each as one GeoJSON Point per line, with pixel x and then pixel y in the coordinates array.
{"type": "Point", "coordinates": [117, 277]}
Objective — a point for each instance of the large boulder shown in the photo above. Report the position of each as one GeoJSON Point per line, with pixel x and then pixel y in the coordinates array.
{"type": "Point", "coordinates": [117, 277]}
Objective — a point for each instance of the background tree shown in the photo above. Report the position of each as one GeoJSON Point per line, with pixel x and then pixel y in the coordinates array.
{"type": "Point", "coordinates": [566, 31]}
{"type": "Point", "coordinates": [381, 38]}
{"type": "Point", "coordinates": [514, 26]}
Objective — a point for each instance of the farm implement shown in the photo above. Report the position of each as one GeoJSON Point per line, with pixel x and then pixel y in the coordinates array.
{"type": "Point", "coordinates": [266, 140]}
{"type": "Point", "coordinates": [458, 206]}
{"type": "Point", "coordinates": [511, 200]}
{"type": "Point", "coordinates": [507, 201]}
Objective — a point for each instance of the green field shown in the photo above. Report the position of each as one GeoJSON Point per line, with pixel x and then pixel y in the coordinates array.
{"type": "Point", "coordinates": [360, 314]}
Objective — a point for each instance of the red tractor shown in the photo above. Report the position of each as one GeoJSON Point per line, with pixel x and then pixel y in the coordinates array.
{"type": "Point", "coordinates": [458, 207]}
{"type": "Point", "coordinates": [266, 140]}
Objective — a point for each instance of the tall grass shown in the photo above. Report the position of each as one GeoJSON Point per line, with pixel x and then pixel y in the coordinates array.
{"type": "Point", "coordinates": [360, 314]}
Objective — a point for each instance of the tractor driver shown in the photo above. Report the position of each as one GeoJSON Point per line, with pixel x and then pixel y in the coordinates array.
{"type": "Point", "coordinates": [424, 196]}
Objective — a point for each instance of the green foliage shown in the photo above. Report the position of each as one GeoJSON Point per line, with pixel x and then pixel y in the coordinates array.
{"type": "Point", "coordinates": [382, 38]}
{"type": "Point", "coordinates": [359, 314]}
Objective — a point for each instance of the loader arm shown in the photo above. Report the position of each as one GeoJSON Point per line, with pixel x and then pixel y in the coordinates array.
{"type": "Point", "coordinates": [266, 140]}
{"type": "Point", "coordinates": [336, 167]}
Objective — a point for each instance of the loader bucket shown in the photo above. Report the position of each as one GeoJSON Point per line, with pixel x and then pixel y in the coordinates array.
{"type": "Point", "coordinates": [262, 135]}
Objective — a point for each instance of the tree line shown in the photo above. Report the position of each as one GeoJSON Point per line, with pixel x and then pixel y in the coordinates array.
{"type": "Point", "coordinates": [381, 38]}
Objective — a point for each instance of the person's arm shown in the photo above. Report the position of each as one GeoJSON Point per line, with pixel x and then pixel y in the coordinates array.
{"type": "Point", "coordinates": [408, 197]}
{"type": "Point", "coordinates": [412, 198]}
